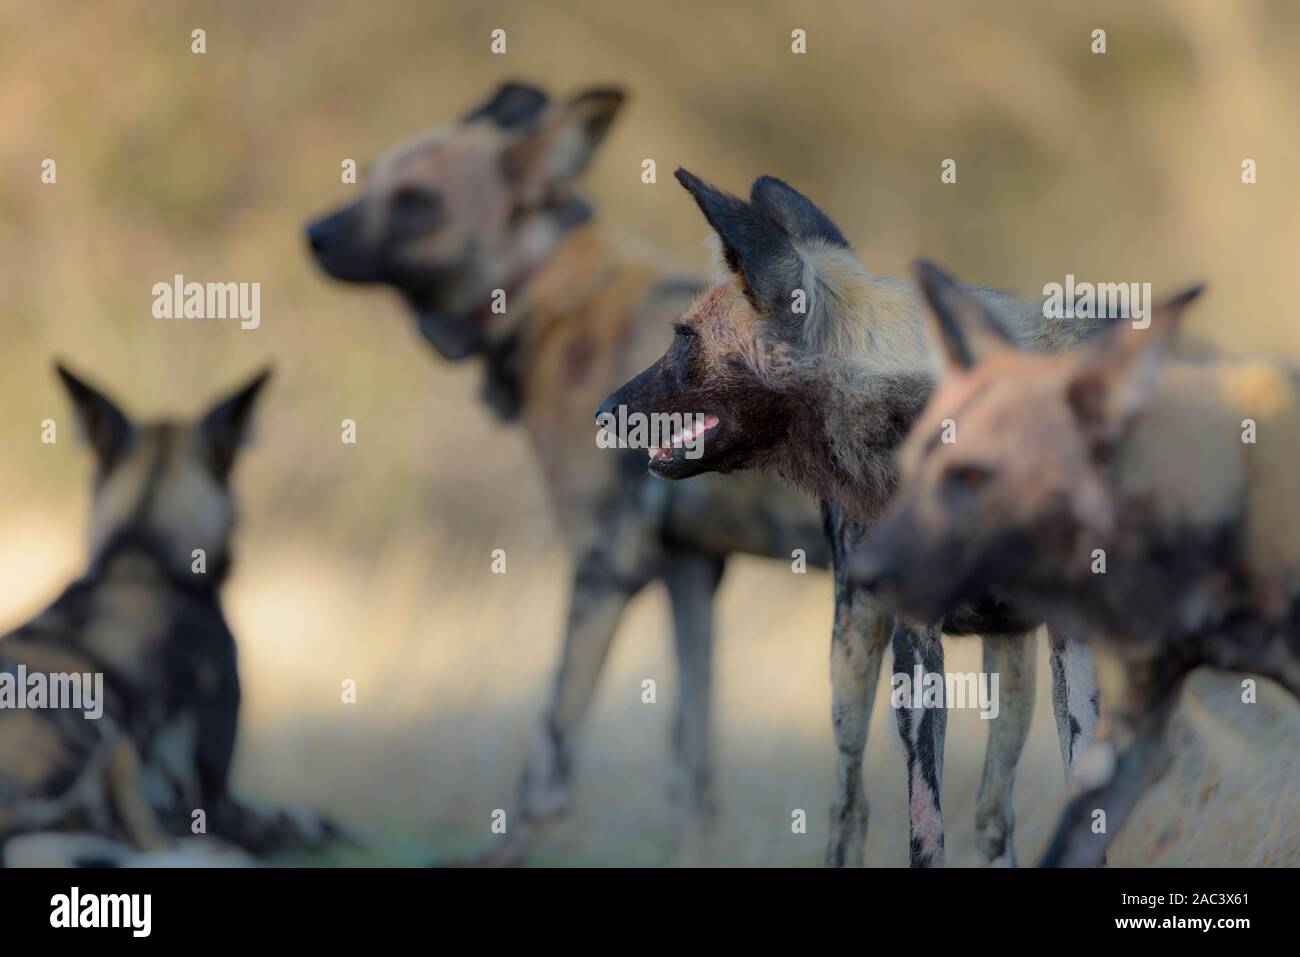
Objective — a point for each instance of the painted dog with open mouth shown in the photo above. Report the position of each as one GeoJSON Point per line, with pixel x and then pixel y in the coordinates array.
{"type": "Point", "coordinates": [798, 362]}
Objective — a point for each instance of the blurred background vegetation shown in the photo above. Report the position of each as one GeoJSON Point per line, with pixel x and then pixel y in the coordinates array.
{"type": "Point", "coordinates": [371, 561]}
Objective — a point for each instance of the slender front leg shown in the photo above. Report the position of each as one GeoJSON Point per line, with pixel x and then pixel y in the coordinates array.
{"type": "Point", "coordinates": [860, 632]}
{"type": "Point", "coordinates": [692, 580]}
{"type": "Point", "coordinates": [922, 730]}
{"type": "Point", "coordinates": [598, 600]}
{"type": "Point", "coordinates": [1118, 771]}
{"type": "Point", "coordinates": [1012, 658]}
{"type": "Point", "coordinates": [1076, 697]}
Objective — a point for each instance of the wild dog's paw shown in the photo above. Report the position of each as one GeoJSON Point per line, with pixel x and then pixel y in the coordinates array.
{"type": "Point", "coordinates": [264, 829]}
{"type": "Point", "coordinates": [305, 827]}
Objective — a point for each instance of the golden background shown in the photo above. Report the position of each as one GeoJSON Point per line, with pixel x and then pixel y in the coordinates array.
{"type": "Point", "coordinates": [371, 561]}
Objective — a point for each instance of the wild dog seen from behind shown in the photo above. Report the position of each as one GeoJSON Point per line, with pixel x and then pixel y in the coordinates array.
{"type": "Point", "coordinates": [1149, 500]}
{"type": "Point", "coordinates": [146, 619]}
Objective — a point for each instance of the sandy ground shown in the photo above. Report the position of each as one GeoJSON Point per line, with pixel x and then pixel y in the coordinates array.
{"type": "Point", "coordinates": [450, 663]}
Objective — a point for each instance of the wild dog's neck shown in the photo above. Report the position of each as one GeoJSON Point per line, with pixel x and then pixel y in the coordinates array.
{"type": "Point", "coordinates": [1215, 450]}
{"type": "Point", "coordinates": [133, 552]}
{"type": "Point", "coordinates": [846, 426]}
{"type": "Point", "coordinates": [555, 286]}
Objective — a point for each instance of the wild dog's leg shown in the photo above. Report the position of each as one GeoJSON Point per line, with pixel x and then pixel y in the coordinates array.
{"type": "Point", "coordinates": [860, 630]}
{"type": "Point", "coordinates": [122, 781]}
{"type": "Point", "coordinates": [1012, 658]}
{"type": "Point", "coordinates": [1076, 698]}
{"type": "Point", "coordinates": [1116, 773]}
{"type": "Point", "coordinates": [922, 730]}
{"type": "Point", "coordinates": [599, 597]}
{"type": "Point", "coordinates": [692, 580]}
{"type": "Point", "coordinates": [860, 633]}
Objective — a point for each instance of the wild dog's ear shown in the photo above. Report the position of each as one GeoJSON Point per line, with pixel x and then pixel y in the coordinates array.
{"type": "Point", "coordinates": [226, 426]}
{"type": "Point", "coordinates": [1116, 376]}
{"type": "Point", "coordinates": [757, 251]}
{"type": "Point", "coordinates": [512, 106]}
{"type": "Point", "coordinates": [104, 426]}
{"type": "Point", "coordinates": [562, 143]}
{"type": "Point", "coordinates": [792, 211]}
{"type": "Point", "coordinates": [962, 324]}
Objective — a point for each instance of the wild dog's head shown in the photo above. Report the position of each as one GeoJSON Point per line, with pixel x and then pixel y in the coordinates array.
{"type": "Point", "coordinates": [164, 482]}
{"type": "Point", "coordinates": [742, 356]}
{"type": "Point", "coordinates": [469, 208]}
{"type": "Point", "coordinates": [1001, 479]}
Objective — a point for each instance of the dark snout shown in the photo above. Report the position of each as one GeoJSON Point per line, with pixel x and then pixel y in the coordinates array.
{"type": "Point", "coordinates": [338, 246]}
{"type": "Point", "coordinates": [632, 395]}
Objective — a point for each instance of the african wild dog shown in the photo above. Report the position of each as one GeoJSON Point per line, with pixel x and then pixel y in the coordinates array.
{"type": "Point", "coordinates": [1116, 453]}
{"type": "Point", "coordinates": [810, 368]}
{"type": "Point", "coordinates": [147, 617]}
{"type": "Point", "coordinates": [490, 205]}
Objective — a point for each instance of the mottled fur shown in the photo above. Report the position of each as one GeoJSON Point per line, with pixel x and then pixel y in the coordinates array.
{"type": "Point", "coordinates": [152, 625]}
{"type": "Point", "coordinates": [1121, 449]}
{"type": "Point", "coordinates": [491, 203]}
{"type": "Point", "coordinates": [815, 370]}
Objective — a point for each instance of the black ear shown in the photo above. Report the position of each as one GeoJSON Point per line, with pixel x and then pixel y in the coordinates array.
{"type": "Point", "coordinates": [557, 148]}
{"type": "Point", "coordinates": [964, 326]}
{"type": "Point", "coordinates": [755, 248]}
{"type": "Point", "coordinates": [105, 427]}
{"type": "Point", "coordinates": [793, 212]}
{"type": "Point", "coordinates": [512, 106]}
{"type": "Point", "coordinates": [225, 427]}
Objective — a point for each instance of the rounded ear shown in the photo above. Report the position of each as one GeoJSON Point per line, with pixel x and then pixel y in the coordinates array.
{"type": "Point", "coordinates": [103, 425]}
{"type": "Point", "coordinates": [962, 324]}
{"type": "Point", "coordinates": [562, 142]}
{"type": "Point", "coordinates": [512, 106]}
{"type": "Point", "coordinates": [227, 425]}
{"type": "Point", "coordinates": [1117, 374]}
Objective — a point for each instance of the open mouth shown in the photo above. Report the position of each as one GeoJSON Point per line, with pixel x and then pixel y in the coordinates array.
{"type": "Point", "coordinates": [665, 453]}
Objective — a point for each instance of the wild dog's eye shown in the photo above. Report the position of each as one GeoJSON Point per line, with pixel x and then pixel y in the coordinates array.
{"type": "Point", "coordinates": [412, 202]}
{"type": "Point", "coordinates": [682, 329]}
{"type": "Point", "coordinates": [968, 477]}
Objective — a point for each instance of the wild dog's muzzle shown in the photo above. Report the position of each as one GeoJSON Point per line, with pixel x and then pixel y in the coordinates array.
{"type": "Point", "coordinates": [336, 244]}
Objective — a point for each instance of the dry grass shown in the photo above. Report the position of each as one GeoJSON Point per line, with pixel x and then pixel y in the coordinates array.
{"type": "Point", "coordinates": [370, 562]}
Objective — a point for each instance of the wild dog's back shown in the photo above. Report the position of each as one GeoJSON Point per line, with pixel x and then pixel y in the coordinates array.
{"type": "Point", "coordinates": [1220, 445]}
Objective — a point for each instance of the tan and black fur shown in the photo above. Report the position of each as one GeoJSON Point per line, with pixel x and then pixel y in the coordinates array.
{"type": "Point", "coordinates": [146, 615]}
{"type": "Point", "coordinates": [491, 203]}
{"type": "Point", "coordinates": [1123, 452]}
{"type": "Point", "coordinates": [815, 370]}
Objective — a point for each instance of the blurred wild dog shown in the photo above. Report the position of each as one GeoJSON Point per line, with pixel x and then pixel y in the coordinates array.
{"type": "Point", "coordinates": [810, 368]}
{"type": "Point", "coordinates": [152, 626]}
{"type": "Point", "coordinates": [1119, 448]}
{"type": "Point", "coordinates": [487, 209]}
